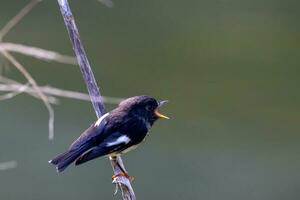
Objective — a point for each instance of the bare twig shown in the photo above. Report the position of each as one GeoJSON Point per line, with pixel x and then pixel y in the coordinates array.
{"type": "Point", "coordinates": [17, 18]}
{"type": "Point", "coordinates": [77, 95]}
{"type": "Point", "coordinates": [14, 86]}
{"type": "Point", "coordinates": [83, 62]}
{"type": "Point", "coordinates": [12, 94]}
{"type": "Point", "coordinates": [8, 165]}
{"type": "Point", "coordinates": [38, 53]}
{"type": "Point", "coordinates": [8, 80]}
{"type": "Point", "coordinates": [47, 90]}
{"type": "Point", "coordinates": [11, 23]}
{"type": "Point", "coordinates": [20, 67]}
{"type": "Point", "coordinates": [108, 3]}
{"type": "Point", "coordinates": [122, 182]}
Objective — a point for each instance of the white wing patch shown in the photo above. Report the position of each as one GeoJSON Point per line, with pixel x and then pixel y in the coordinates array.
{"type": "Point", "coordinates": [98, 122]}
{"type": "Point", "coordinates": [119, 140]}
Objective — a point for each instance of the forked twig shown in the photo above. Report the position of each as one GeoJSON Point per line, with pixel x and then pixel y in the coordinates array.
{"type": "Point", "coordinates": [122, 182]}
{"type": "Point", "coordinates": [25, 73]}
{"type": "Point", "coordinates": [52, 91]}
{"type": "Point", "coordinates": [12, 94]}
{"type": "Point", "coordinates": [11, 23]}
{"type": "Point", "coordinates": [13, 86]}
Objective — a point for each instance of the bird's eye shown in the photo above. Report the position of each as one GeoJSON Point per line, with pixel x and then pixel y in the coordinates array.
{"type": "Point", "coordinates": [149, 108]}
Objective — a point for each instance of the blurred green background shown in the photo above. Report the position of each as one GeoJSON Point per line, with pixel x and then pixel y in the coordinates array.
{"type": "Point", "coordinates": [230, 69]}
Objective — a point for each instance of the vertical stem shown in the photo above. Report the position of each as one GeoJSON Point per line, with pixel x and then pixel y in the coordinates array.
{"type": "Point", "coordinates": [122, 182]}
{"type": "Point", "coordinates": [83, 62]}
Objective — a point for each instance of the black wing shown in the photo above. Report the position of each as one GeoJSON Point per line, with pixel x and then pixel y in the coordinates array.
{"type": "Point", "coordinates": [90, 135]}
{"type": "Point", "coordinates": [114, 143]}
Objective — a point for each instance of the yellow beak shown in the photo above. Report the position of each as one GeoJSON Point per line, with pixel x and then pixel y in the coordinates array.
{"type": "Point", "coordinates": [159, 115]}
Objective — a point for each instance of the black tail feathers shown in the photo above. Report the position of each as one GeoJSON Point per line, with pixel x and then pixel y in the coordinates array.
{"type": "Point", "coordinates": [90, 155]}
{"type": "Point", "coordinates": [83, 158]}
{"type": "Point", "coordinates": [63, 160]}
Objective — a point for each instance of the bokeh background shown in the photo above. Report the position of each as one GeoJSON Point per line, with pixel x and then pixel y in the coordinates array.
{"type": "Point", "coordinates": [230, 69]}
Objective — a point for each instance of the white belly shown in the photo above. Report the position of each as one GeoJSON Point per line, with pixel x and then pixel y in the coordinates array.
{"type": "Point", "coordinates": [124, 151]}
{"type": "Point", "coordinates": [129, 149]}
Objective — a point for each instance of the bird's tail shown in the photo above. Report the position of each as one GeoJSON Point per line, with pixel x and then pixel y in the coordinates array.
{"type": "Point", "coordinates": [62, 161]}
{"type": "Point", "coordinates": [90, 155]}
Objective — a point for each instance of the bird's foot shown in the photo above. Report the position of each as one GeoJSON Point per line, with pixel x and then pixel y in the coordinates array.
{"type": "Point", "coordinates": [125, 174]}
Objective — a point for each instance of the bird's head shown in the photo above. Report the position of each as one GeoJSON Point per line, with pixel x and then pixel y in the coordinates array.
{"type": "Point", "coordinates": [144, 106]}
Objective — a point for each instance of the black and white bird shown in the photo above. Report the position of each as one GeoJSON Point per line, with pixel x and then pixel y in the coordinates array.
{"type": "Point", "coordinates": [115, 133]}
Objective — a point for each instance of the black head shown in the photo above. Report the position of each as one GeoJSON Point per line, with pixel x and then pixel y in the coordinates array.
{"type": "Point", "coordinates": [144, 106]}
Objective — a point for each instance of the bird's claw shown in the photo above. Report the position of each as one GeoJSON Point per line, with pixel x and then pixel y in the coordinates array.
{"type": "Point", "coordinates": [114, 177]}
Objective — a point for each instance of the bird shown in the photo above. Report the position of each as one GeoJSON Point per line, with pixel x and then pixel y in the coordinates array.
{"type": "Point", "coordinates": [114, 133]}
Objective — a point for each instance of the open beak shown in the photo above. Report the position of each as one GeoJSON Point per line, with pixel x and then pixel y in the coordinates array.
{"type": "Point", "coordinates": [159, 115]}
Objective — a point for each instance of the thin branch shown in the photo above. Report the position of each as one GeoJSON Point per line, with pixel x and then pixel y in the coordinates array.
{"type": "Point", "coordinates": [17, 18]}
{"type": "Point", "coordinates": [13, 86]}
{"type": "Point", "coordinates": [47, 90]}
{"type": "Point", "coordinates": [8, 80]}
{"type": "Point", "coordinates": [77, 95]}
{"type": "Point", "coordinates": [108, 3]}
{"type": "Point", "coordinates": [8, 165]}
{"type": "Point", "coordinates": [38, 53]}
{"type": "Point", "coordinates": [12, 94]}
{"type": "Point", "coordinates": [122, 182]}
{"type": "Point", "coordinates": [82, 60]}
{"type": "Point", "coordinates": [20, 67]}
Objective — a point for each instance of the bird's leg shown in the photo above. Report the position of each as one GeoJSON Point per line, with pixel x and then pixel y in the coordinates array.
{"type": "Point", "coordinates": [121, 168]}
{"type": "Point", "coordinates": [123, 173]}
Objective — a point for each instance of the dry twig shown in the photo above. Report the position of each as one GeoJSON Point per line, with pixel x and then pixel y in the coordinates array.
{"type": "Point", "coordinates": [122, 182]}
{"type": "Point", "coordinates": [15, 20]}
{"type": "Point", "coordinates": [12, 94]}
{"type": "Point", "coordinates": [13, 86]}
{"type": "Point", "coordinates": [52, 91]}
{"type": "Point", "coordinates": [38, 53]}
{"type": "Point", "coordinates": [44, 98]}
{"type": "Point", "coordinates": [108, 3]}
{"type": "Point", "coordinates": [44, 93]}
{"type": "Point", "coordinates": [8, 165]}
